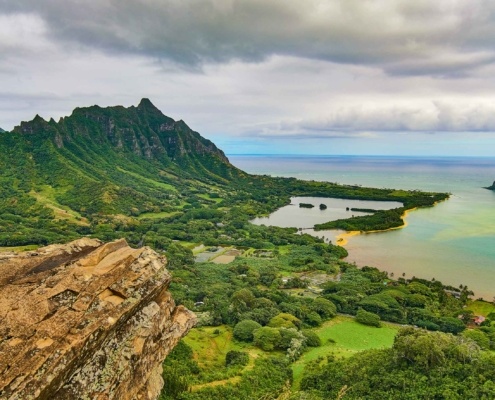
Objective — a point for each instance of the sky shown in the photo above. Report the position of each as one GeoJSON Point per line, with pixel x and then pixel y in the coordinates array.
{"type": "Point", "coordinates": [388, 77]}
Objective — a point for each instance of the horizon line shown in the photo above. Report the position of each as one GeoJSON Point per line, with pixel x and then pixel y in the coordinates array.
{"type": "Point", "coordinates": [357, 155]}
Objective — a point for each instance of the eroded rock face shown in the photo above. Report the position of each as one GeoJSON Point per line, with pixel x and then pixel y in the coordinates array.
{"type": "Point", "coordinates": [86, 320]}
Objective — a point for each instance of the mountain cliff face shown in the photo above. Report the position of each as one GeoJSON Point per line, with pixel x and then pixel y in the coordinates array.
{"type": "Point", "coordinates": [86, 320]}
{"type": "Point", "coordinates": [134, 133]}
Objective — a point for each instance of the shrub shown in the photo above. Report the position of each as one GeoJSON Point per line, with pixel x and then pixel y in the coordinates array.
{"type": "Point", "coordinates": [312, 339]}
{"type": "Point", "coordinates": [313, 319]}
{"type": "Point", "coordinates": [234, 358]}
{"type": "Point", "coordinates": [367, 318]}
{"type": "Point", "coordinates": [325, 308]}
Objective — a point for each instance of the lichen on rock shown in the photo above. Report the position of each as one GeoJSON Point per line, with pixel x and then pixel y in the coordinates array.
{"type": "Point", "coordinates": [86, 320]}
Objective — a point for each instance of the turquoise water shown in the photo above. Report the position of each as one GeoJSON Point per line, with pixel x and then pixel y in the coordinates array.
{"type": "Point", "coordinates": [453, 242]}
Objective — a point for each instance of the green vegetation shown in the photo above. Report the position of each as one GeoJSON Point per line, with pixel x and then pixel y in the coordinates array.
{"type": "Point", "coordinates": [368, 318]}
{"type": "Point", "coordinates": [420, 365]}
{"type": "Point", "coordinates": [306, 205]}
{"type": "Point", "coordinates": [366, 210]}
{"type": "Point", "coordinates": [135, 173]}
{"type": "Point", "coordinates": [479, 307]}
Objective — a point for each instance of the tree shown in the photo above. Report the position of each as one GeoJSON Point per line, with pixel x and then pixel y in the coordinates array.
{"type": "Point", "coordinates": [267, 338]}
{"type": "Point", "coordinates": [325, 308]}
{"type": "Point", "coordinates": [242, 300]}
{"type": "Point", "coordinates": [479, 337]}
{"type": "Point", "coordinates": [285, 320]}
{"type": "Point", "coordinates": [244, 330]}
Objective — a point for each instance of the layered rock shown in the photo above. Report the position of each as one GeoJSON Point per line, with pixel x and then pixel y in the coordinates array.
{"type": "Point", "coordinates": [86, 320]}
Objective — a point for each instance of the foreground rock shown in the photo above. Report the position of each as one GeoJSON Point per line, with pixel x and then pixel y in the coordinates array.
{"type": "Point", "coordinates": [86, 320]}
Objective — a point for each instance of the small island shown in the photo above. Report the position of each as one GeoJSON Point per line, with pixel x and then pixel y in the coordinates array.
{"type": "Point", "coordinates": [365, 210]}
{"type": "Point", "coordinates": [306, 205]}
{"type": "Point", "coordinates": [323, 206]}
{"type": "Point", "coordinates": [491, 187]}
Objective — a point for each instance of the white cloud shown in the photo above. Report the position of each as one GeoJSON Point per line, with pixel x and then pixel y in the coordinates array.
{"type": "Point", "coordinates": [364, 121]}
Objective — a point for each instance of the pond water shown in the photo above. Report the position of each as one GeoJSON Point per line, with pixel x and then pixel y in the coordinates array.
{"type": "Point", "coordinates": [300, 217]}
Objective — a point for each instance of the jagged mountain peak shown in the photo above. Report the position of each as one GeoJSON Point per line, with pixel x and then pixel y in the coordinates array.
{"type": "Point", "coordinates": [146, 103]}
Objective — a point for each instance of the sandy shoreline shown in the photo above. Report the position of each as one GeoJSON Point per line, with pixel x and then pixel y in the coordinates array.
{"type": "Point", "coordinates": [342, 239]}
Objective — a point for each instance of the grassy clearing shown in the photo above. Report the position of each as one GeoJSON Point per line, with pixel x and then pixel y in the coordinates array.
{"type": "Point", "coordinates": [46, 196]}
{"type": "Point", "coordinates": [210, 346]}
{"type": "Point", "coordinates": [481, 307]}
{"type": "Point", "coordinates": [207, 197]}
{"type": "Point", "coordinates": [159, 184]}
{"type": "Point", "coordinates": [158, 215]}
{"type": "Point", "coordinates": [18, 249]}
{"type": "Point", "coordinates": [350, 337]}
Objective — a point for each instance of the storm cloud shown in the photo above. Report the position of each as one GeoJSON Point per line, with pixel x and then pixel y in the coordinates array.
{"type": "Point", "coordinates": [400, 36]}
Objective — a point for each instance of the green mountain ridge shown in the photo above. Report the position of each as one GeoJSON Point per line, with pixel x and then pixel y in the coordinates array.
{"type": "Point", "coordinates": [100, 161]}
{"type": "Point", "coordinates": [99, 150]}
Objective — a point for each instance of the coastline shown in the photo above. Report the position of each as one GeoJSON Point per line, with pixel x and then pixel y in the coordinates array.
{"type": "Point", "coordinates": [342, 239]}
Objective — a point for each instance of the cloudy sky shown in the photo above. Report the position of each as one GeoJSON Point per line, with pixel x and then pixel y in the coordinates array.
{"type": "Point", "coordinates": [265, 76]}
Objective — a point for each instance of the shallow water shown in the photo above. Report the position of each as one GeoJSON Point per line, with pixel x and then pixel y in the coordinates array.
{"type": "Point", "coordinates": [300, 217]}
{"type": "Point", "coordinates": [453, 242]}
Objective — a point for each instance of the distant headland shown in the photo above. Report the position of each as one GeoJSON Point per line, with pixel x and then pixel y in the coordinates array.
{"type": "Point", "coordinates": [491, 187]}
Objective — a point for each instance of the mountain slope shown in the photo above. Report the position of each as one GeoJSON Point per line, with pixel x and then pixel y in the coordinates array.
{"type": "Point", "coordinates": [101, 161]}
{"type": "Point", "coordinates": [106, 155]}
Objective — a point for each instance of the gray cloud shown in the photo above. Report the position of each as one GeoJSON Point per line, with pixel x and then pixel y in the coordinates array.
{"type": "Point", "coordinates": [366, 122]}
{"type": "Point", "coordinates": [441, 38]}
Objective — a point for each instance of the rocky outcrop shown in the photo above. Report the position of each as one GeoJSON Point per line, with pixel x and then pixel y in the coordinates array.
{"type": "Point", "coordinates": [491, 187]}
{"type": "Point", "coordinates": [86, 320]}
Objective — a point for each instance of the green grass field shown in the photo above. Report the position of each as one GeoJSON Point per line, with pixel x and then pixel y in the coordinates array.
{"type": "Point", "coordinates": [159, 184]}
{"type": "Point", "coordinates": [211, 344]}
{"type": "Point", "coordinates": [157, 215]}
{"type": "Point", "coordinates": [481, 307]}
{"type": "Point", "coordinates": [350, 337]}
{"type": "Point", "coordinates": [207, 197]}
{"type": "Point", "coordinates": [46, 196]}
{"type": "Point", "coordinates": [18, 249]}
{"type": "Point", "coordinates": [210, 349]}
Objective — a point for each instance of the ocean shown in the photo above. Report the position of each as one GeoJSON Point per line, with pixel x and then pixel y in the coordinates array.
{"type": "Point", "coordinates": [453, 242]}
